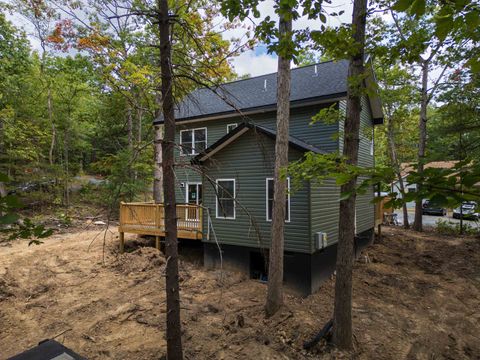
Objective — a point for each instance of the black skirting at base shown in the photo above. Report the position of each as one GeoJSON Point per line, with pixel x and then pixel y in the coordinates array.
{"type": "Point", "coordinates": [303, 273]}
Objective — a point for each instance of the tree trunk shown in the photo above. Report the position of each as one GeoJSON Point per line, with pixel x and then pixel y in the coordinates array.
{"type": "Point", "coordinates": [54, 131]}
{"type": "Point", "coordinates": [174, 334]}
{"type": "Point", "coordinates": [342, 317]}
{"type": "Point", "coordinates": [66, 168]}
{"type": "Point", "coordinates": [275, 266]}
{"type": "Point", "coordinates": [422, 142]}
{"type": "Point", "coordinates": [406, 222]}
{"type": "Point", "coordinates": [130, 127]}
{"type": "Point", "coordinates": [139, 135]}
{"type": "Point", "coordinates": [3, 159]}
{"type": "Point", "coordinates": [158, 174]}
{"type": "Point", "coordinates": [396, 164]}
{"type": "Point", "coordinates": [2, 141]}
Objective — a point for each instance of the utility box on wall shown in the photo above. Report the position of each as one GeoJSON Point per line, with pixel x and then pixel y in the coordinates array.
{"type": "Point", "coordinates": [321, 241]}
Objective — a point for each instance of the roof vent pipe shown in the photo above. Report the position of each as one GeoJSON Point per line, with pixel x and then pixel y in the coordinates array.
{"type": "Point", "coordinates": [316, 71]}
{"type": "Point", "coordinates": [265, 85]}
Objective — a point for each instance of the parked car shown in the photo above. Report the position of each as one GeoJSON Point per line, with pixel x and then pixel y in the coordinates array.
{"type": "Point", "coordinates": [468, 210]}
{"type": "Point", "coordinates": [430, 208]}
{"type": "Point", "coordinates": [27, 187]}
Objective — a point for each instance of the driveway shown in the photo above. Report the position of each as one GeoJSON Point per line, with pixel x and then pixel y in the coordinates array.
{"type": "Point", "coordinates": [430, 220]}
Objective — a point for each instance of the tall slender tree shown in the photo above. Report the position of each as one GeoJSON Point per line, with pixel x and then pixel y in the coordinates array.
{"type": "Point", "coordinates": [285, 42]}
{"type": "Point", "coordinates": [342, 317]}
{"type": "Point", "coordinates": [275, 266]}
{"type": "Point", "coordinates": [172, 287]}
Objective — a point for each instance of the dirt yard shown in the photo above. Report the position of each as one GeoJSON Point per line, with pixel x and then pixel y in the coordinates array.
{"type": "Point", "coordinates": [418, 297]}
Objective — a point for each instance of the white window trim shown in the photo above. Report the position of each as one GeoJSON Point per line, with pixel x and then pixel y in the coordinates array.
{"type": "Point", "coordinates": [288, 201]}
{"type": "Point", "coordinates": [236, 124]}
{"type": "Point", "coordinates": [186, 189]}
{"type": "Point", "coordinates": [234, 200]}
{"type": "Point", "coordinates": [193, 140]}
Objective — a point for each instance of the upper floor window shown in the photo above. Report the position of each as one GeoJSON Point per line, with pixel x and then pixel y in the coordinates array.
{"type": "Point", "coordinates": [193, 141]}
{"type": "Point", "coordinates": [269, 196]}
{"type": "Point", "coordinates": [225, 208]}
{"type": "Point", "coordinates": [230, 127]}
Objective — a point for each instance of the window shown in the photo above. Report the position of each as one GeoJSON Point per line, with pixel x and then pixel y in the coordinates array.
{"type": "Point", "coordinates": [269, 196]}
{"type": "Point", "coordinates": [194, 193]}
{"type": "Point", "coordinates": [225, 199]}
{"type": "Point", "coordinates": [193, 141]}
{"type": "Point", "coordinates": [230, 127]}
{"type": "Point", "coordinates": [194, 197]}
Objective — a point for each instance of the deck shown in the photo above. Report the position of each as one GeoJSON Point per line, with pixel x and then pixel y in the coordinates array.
{"type": "Point", "coordinates": [149, 219]}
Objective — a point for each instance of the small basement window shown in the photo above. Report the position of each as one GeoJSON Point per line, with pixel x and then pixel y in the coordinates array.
{"type": "Point", "coordinates": [269, 200]}
{"type": "Point", "coordinates": [225, 206]}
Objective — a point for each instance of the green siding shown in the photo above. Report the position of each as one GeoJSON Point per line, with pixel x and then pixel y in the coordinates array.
{"type": "Point", "coordinates": [365, 158]}
{"type": "Point", "coordinates": [366, 128]}
{"type": "Point", "coordinates": [364, 207]}
{"type": "Point", "coordinates": [324, 197]}
{"type": "Point", "coordinates": [341, 124]}
{"type": "Point", "coordinates": [324, 208]}
{"type": "Point", "coordinates": [249, 160]}
{"type": "Point", "coordinates": [321, 135]}
{"type": "Point", "coordinates": [365, 211]}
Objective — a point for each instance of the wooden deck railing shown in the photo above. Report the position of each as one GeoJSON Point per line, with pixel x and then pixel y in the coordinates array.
{"type": "Point", "coordinates": [149, 219]}
{"type": "Point", "coordinates": [381, 210]}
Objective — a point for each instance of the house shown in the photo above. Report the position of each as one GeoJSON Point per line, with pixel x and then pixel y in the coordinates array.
{"type": "Point", "coordinates": [225, 160]}
{"type": "Point", "coordinates": [406, 168]}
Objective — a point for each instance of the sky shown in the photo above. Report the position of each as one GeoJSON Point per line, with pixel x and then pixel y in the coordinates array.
{"type": "Point", "coordinates": [258, 62]}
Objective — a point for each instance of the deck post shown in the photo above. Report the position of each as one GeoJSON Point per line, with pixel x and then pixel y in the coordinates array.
{"type": "Point", "coordinates": [200, 221]}
{"type": "Point", "coordinates": [157, 242]}
{"type": "Point", "coordinates": [122, 242]}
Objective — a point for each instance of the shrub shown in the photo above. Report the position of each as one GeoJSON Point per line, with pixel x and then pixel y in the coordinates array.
{"type": "Point", "coordinates": [447, 227]}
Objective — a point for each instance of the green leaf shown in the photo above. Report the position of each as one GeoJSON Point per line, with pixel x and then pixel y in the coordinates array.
{"type": "Point", "coordinates": [4, 178]}
{"type": "Point", "coordinates": [472, 19]}
{"type": "Point", "coordinates": [46, 233]}
{"type": "Point", "coordinates": [418, 8]}
{"type": "Point", "coordinates": [345, 195]}
{"type": "Point", "coordinates": [341, 179]}
{"type": "Point", "coordinates": [402, 5]}
{"type": "Point", "coordinates": [474, 64]}
{"type": "Point", "coordinates": [444, 26]}
{"type": "Point", "coordinates": [12, 201]}
{"type": "Point", "coordinates": [9, 218]}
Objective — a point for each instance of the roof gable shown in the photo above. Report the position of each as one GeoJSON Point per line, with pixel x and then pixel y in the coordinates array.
{"type": "Point", "coordinates": [241, 130]}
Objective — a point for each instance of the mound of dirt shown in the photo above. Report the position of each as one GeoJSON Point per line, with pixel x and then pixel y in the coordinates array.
{"type": "Point", "coordinates": [140, 260]}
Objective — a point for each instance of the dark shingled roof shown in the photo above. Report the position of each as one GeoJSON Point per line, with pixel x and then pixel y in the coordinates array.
{"type": "Point", "coordinates": [242, 129]}
{"type": "Point", "coordinates": [308, 83]}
